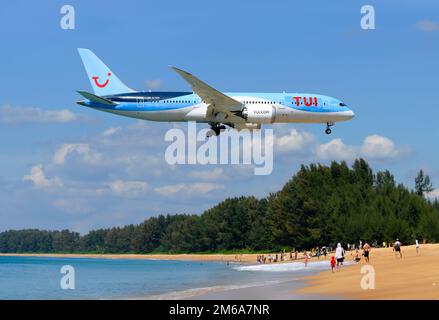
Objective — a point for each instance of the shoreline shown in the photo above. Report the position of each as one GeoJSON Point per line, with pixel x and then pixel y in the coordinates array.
{"type": "Point", "coordinates": [246, 258]}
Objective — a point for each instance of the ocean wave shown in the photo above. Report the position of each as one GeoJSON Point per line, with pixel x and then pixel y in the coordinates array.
{"type": "Point", "coordinates": [289, 266]}
{"type": "Point", "coordinates": [189, 293]}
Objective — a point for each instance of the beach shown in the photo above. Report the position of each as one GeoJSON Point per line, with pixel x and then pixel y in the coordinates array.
{"type": "Point", "coordinates": [415, 276]}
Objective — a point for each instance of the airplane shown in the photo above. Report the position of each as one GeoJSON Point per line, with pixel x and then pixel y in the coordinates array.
{"type": "Point", "coordinates": [238, 110]}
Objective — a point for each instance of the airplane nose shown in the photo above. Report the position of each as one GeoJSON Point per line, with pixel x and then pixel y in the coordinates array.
{"type": "Point", "coordinates": [350, 114]}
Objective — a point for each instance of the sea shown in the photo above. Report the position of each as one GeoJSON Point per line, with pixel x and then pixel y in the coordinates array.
{"type": "Point", "coordinates": [93, 278]}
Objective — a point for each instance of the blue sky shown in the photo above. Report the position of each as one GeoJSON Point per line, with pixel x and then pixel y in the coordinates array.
{"type": "Point", "coordinates": [99, 170]}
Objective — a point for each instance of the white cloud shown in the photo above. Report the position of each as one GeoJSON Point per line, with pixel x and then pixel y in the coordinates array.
{"type": "Point", "coordinates": [295, 140]}
{"type": "Point", "coordinates": [87, 154]}
{"type": "Point", "coordinates": [427, 26]}
{"type": "Point", "coordinates": [154, 84]}
{"type": "Point", "coordinates": [374, 147]}
{"type": "Point", "coordinates": [136, 135]}
{"type": "Point", "coordinates": [335, 150]}
{"type": "Point", "coordinates": [378, 147]}
{"type": "Point", "coordinates": [214, 174]}
{"type": "Point", "coordinates": [14, 115]}
{"type": "Point", "coordinates": [38, 178]}
{"type": "Point", "coordinates": [188, 188]}
{"type": "Point", "coordinates": [433, 194]}
{"type": "Point", "coordinates": [111, 131]}
{"type": "Point", "coordinates": [128, 188]}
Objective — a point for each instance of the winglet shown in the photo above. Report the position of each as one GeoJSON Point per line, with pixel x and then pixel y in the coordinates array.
{"type": "Point", "coordinates": [180, 71]}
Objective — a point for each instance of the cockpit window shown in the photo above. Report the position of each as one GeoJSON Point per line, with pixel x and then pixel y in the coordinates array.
{"type": "Point", "coordinates": [342, 104]}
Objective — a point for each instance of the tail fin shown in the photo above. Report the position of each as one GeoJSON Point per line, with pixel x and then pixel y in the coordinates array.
{"type": "Point", "coordinates": [103, 81]}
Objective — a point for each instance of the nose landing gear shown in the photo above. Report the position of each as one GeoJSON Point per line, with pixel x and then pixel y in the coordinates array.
{"type": "Point", "coordinates": [328, 127]}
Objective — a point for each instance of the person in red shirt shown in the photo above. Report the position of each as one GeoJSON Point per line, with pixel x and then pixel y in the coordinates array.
{"type": "Point", "coordinates": [332, 263]}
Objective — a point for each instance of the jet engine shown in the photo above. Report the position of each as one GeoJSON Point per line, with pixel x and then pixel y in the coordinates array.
{"type": "Point", "coordinates": [259, 114]}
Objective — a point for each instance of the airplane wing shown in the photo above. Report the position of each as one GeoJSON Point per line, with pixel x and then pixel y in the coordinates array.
{"type": "Point", "coordinates": [218, 102]}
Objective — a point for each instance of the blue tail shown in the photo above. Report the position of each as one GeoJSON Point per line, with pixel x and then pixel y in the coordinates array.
{"type": "Point", "coordinates": [103, 81]}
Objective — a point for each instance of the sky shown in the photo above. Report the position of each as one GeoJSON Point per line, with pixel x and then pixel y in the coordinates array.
{"type": "Point", "coordinates": [66, 166]}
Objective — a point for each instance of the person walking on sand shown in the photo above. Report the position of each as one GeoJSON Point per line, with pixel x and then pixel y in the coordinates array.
{"type": "Point", "coordinates": [417, 246]}
{"type": "Point", "coordinates": [332, 263]}
{"type": "Point", "coordinates": [305, 259]}
{"type": "Point", "coordinates": [397, 248]}
{"type": "Point", "coordinates": [339, 255]}
{"type": "Point", "coordinates": [357, 257]}
{"type": "Point", "coordinates": [366, 251]}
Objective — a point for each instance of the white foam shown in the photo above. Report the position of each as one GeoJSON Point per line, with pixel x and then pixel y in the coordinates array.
{"type": "Point", "coordinates": [189, 293]}
{"type": "Point", "coordinates": [288, 266]}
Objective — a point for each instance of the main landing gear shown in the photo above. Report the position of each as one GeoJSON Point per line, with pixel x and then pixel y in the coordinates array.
{"type": "Point", "coordinates": [215, 130]}
{"type": "Point", "coordinates": [328, 127]}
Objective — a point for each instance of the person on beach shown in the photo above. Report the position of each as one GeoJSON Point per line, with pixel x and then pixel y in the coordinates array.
{"type": "Point", "coordinates": [417, 246]}
{"type": "Point", "coordinates": [332, 263]}
{"type": "Point", "coordinates": [305, 259]}
{"type": "Point", "coordinates": [339, 255]}
{"type": "Point", "coordinates": [366, 251]}
{"type": "Point", "coordinates": [324, 251]}
{"type": "Point", "coordinates": [397, 248]}
{"type": "Point", "coordinates": [357, 257]}
{"type": "Point", "coordinates": [295, 254]}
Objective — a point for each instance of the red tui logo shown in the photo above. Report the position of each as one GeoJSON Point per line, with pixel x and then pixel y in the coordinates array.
{"type": "Point", "coordinates": [96, 78]}
{"type": "Point", "coordinates": [307, 101]}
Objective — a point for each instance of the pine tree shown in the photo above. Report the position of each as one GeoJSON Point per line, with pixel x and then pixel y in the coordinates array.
{"type": "Point", "coordinates": [422, 184]}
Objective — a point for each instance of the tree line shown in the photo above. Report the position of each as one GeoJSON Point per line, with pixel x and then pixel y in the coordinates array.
{"type": "Point", "coordinates": [319, 206]}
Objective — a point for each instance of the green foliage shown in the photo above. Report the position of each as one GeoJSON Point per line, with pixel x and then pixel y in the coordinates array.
{"type": "Point", "coordinates": [320, 205]}
{"type": "Point", "coordinates": [422, 184]}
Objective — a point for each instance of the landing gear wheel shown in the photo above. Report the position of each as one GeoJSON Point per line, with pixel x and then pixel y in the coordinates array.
{"type": "Point", "coordinates": [328, 127]}
{"type": "Point", "coordinates": [215, 130]}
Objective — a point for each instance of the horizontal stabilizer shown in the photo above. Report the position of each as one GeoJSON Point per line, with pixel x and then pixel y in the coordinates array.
{"type": "Point", "coordinates": [95, 98]}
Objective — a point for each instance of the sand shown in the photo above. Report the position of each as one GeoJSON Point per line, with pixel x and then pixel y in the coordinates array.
{"type": "Point", "coordinates": [415, 276]}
